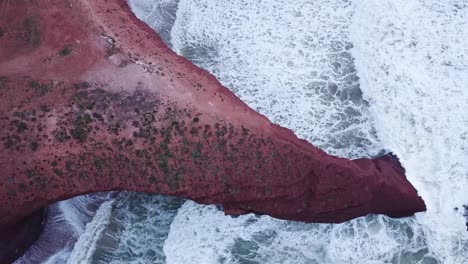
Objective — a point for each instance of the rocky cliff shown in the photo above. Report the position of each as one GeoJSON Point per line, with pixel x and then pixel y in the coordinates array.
{"type": "Point", "coordinates": [92, 100]}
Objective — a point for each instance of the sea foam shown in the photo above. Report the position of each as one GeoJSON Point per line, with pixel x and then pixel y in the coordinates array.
{"type": "Point", "coordinates": [412, 59]}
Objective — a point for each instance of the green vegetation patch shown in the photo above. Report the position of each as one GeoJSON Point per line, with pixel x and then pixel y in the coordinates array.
{"type": "Point", "coordinates": [65, 51]}
{"type": "Point", "coordinates": [81, 127]}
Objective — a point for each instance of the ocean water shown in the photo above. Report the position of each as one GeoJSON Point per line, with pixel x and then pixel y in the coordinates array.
{"type": "Point", "coordinates": [64, 224]}
{"type": "Point", "coordinates": [357, 79]}
{"type": "Point", "coordinates": [131, 230]}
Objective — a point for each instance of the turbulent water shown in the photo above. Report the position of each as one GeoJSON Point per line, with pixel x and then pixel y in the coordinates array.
{"type": "Point", "coordinates": [356, 78]}
{"type": "Point", "coordinates": [65, 223]}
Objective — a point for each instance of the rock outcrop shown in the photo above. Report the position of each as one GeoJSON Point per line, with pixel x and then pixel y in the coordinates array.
{"type": "Point", "coordinates": [92, 100]}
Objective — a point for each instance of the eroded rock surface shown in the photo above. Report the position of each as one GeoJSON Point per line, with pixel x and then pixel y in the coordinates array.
{"type": "Point", "coordinates": [92, 100]}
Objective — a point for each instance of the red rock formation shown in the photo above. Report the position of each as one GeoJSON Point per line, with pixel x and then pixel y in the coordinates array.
{"type": "Point", "coordinates": [18, 237]}
{"type": "Point", "coordinates": [92, 100]}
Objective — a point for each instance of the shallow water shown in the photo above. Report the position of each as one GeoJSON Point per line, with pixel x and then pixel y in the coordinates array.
{"type": "Point", "coordinates": [64, 224]}
{"type": "Point", "coordinates": [356, 78]}
{"type": "Point", "coordinates": [132, 229]}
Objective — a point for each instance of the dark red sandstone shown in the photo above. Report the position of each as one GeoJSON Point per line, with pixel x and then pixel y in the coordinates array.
{"type": "Point", "coordinates": [15, 239]}
{"type": "Point", "coordinates": [92, 100]}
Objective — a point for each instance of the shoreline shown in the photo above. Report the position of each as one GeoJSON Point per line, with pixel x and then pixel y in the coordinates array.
{"type": "Point", "coordinates": [95, 101]}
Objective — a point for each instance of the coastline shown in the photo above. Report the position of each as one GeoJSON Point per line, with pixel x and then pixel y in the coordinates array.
{"type": "Point", "coordinates": [71, 130]}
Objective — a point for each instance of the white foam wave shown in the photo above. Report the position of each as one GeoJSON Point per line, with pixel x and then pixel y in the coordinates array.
{"type": "Point", "coordinates": [63, 225]}
{"type": "Point", "coordinates": [288, 60]}
{"type": "Point", "coordinates": [412, 59]}
{"type": "Point", "coordinates": [79, 210]}
{"type": "Point", "coordinates": [140, 224]}
{"type": "Point", "coordinates": [85, 246]}
{"type": "Point", "coordinates": [158, 14]}
{"type": "Point", "coordinates": [59, 257]}
{"type": "Point", "coordinates": [130, 229]}
{"type": "Point", "coordinates": [203, 234]}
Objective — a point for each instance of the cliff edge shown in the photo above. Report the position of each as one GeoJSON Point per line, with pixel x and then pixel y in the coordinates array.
{"type": "Point", "coordinates": [92, 100]}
